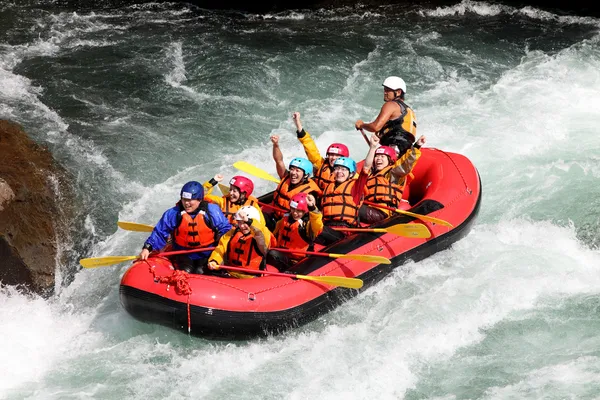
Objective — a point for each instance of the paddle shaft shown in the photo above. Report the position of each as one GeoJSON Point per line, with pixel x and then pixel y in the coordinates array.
{"type": "Point", "coordinates": [174, 253]}
{"type": "Point", "coordinates": [271, 206]}
{"type": "Point", "coordinates": [309, 253]}
{"type": "Point", "coordinates": [255, 271]}
{"type": "Point", "coordinates": [364, 135]}
{"type": "Point", "coordinates": [411, 214]}
{"type": "Point", "coordinates": [359, 229]}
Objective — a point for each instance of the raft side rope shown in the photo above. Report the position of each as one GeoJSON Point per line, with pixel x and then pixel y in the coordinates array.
{"type": "Point", "coordinates": [180, 281]}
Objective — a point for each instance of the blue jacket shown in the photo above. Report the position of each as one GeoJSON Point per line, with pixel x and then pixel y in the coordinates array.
{"type": "Point", "coordinates": [167, 224]}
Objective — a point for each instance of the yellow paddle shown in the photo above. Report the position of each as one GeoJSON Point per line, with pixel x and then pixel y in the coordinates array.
{"type": "Point", "coordinates": [224, 189]}
{"type": "Point", "coordinates": [353, 283]}
{"type": "Point", "coordinates": [96, 262]}
{"type": "Point", "coordinates": [411, 214]}
{"type": "Point", "coordinates": [134, 226]}
{"type": "Point", "coordinates": [252, 170]}
{"type": "Point", "coordinates": [406, 230]}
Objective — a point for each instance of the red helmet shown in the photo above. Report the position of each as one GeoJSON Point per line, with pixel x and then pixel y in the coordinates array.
{"type": "Point", "coordinates": [298, 201]}
{"type": "Point", "coordinates": [339, 149]}
{"type": "Point", "coordinates": [388, 151]}
{"type": "Point", "coordinates": [242, 183]}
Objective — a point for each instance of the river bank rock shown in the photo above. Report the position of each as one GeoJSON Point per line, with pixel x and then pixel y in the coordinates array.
{"type": "Point", "coordinates": [35, 200]}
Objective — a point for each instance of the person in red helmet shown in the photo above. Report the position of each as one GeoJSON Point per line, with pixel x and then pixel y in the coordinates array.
{"type": "Point", "coordinates": [240, 194]}
{"type": "Point", "coordinates": [387, 181]}
{"type": "Point", "coordinates": [323, 166]}
{"type": "Point", "coordinates": [297, 230]}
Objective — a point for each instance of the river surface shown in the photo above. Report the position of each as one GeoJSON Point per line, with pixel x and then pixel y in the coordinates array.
{"type": "Point", "coordinates": [137, 100]}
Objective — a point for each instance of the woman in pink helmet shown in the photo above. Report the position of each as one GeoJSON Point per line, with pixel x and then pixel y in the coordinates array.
{"type": "Point", "coordinates": [240, 194]}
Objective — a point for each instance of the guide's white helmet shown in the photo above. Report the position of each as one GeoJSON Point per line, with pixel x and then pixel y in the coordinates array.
{"type": "Point", "coordinates": [395, 83]}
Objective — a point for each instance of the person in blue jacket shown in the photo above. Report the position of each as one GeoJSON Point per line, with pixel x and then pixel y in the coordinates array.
{"type": "Point", "coordinates": [193, 223]}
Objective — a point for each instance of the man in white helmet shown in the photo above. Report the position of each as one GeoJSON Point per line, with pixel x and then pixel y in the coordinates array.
{"type": "Point", "coordinates": [396, 124]}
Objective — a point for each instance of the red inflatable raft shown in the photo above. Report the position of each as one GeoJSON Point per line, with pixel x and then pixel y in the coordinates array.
{"type": "Point", "coordinates": [445, 186]}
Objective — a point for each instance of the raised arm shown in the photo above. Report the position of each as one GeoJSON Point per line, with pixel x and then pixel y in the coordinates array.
{"type": "Point", "coordinates": [278, 157]}
{"type": "Point", "coordinates": [371, 154]}
{"type": "Point", "coordinates": [310, 148]}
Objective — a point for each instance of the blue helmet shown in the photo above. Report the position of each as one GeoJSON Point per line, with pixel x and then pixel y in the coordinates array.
{"type": "Point", "coordinates": [346, 162]}
{"type": "Point", "coordinates": [192, 190]}
{"type": "Point", "coordinates": [303, 164]}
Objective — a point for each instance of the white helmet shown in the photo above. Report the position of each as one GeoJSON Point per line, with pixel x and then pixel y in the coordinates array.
{"type": "Point", "coordinates": [395, 83]}
{"type": "Point", "coordinates": [250, 211]}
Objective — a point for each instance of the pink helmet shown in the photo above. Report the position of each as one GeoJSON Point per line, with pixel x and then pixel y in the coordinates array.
{"type": "Point", "coordinates": [242, 183]}
{"type": "Point", "coordinates": [298, 201]}
{"type": "Point", "coordinates": [388, 151]}
{"type": "Point", "coordinates": [339, 149]}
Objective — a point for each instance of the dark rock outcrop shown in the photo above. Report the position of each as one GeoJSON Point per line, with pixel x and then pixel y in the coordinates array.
{"type": "Point", "coordinates": [35, 198]}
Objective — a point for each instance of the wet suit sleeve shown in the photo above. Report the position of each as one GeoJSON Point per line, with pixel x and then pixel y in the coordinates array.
{"type": "Point", "coordinates": [219, 221]}
{"type": "Point", "coordinates": [310, 148]}
{"type": "Point", "coordinates": [218, 254]}
{"type": "Point", "coordinates": [315, 223]}
{"type": "Point", "coordinates": [406, 163]}
{"type": "Point", "coordinates": [165, 226]}
{"type": "Point", "coordinates": [218, 200]}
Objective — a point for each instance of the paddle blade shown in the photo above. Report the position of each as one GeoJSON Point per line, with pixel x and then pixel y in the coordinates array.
{"type": "Point", "coordinates": [104, 261]}
{"type": "Point", "coordinates": [134, 226]}
{"type": "Point", "coordinates": [426, 218]}
{"type": "Point", "coordinates": [410, 230]}
{"type": "Point", "coordinates": [362, 257]}
{"type": "Point", "coordinates": [224, 189]}
{"type": "Point", "coordinates": [252, 170]}
{"type": "Point", "coordinates": [352, 283]}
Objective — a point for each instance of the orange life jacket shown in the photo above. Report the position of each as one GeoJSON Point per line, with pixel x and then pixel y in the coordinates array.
{"type": "Point", "coordinates": [230, 208]}
{"type": "Point", "coordinates": [338, 205]}
{"type": "Point", "coordinates": [284, 193]}
{"type": "Point", "coordinates": [242, 251]}
{"type": "Point", "coordinates": [194, 232]}
{"type": "Point", "coordinates": [324, 176]}
{"type": "Point", "coordinates": [292, 235]}
{"type": "Point", "coordinates": [380, 190]}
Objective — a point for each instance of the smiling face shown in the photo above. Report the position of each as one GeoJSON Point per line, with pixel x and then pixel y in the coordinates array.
{"type": "Point", "coordinates": [190, 205]}
{"type": "Point", "coordinates": [296, 214]}
{"type": "Point", "coordinates": [296, 175]}
{"type": "Point", "coordinates": [380, 161]}
{"type": "Point", "coordinates": [331, 158]}
{"type": "Point", "coordinates": [234, 193]}
{"type": "Point", "coordinates": [341, 173]}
